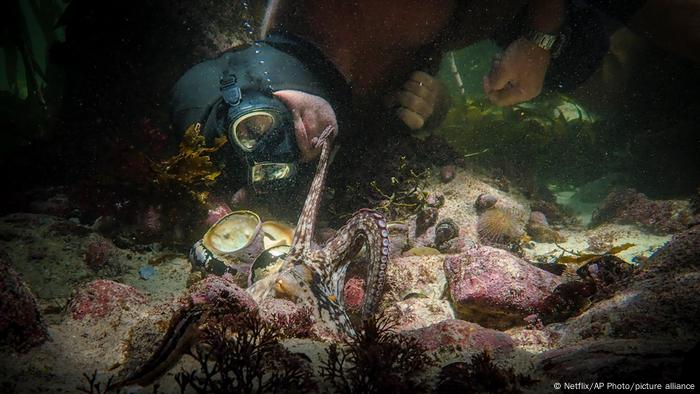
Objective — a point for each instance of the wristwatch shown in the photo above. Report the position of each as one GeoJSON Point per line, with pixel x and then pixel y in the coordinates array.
{"type": "Point", "coordinates": [551, 43]}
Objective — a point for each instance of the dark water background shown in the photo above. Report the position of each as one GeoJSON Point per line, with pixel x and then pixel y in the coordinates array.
{"type": "Point", "coordinates": [85, 86]}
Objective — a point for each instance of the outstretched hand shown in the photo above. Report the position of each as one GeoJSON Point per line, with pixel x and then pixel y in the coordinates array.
{"type": "Point", "coordinates": [312, 116]}
{"type": "Point", "coordinates": [518, 74]}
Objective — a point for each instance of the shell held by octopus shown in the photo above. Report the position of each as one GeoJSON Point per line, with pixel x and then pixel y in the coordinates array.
{"type": "Point", "coordinates": [232, 232]}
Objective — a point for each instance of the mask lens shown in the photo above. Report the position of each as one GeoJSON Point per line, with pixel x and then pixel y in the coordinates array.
{"type": "Point", "coordinates": [265, 172]}
{"type": "Point", "coordinates": [250, 128]}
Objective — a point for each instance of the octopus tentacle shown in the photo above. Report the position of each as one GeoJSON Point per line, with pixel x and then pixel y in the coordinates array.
{"type": "Point", "coordinates": [304, 233]}
{"type": "Point", "coordinates": [365, 227]}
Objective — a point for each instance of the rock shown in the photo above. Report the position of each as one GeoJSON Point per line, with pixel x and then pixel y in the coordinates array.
{"type": "Point", "coordinates": [21, 324]}
{"type": "Point", "coordinates": [537, 217]}
{"type": "Point", "coordinates": [99, 298]}
{"type": "Point", "coordinates": [496, 288]}
{"type": "Point", "coordinates": [543, 233]}
{"type": "Point", "coordinates": [147, 272]}
{"type": "Point", "coordinates": [616, 360]}
{"type": "Point", "coordinates": [533, 339]}
{"type": "Point", "coordinates": [555, 214]}
{"type": "Point", "coordinates": [462, 336]}
{"type": "Point", "coordinates": [419, 312]}
{"type": "Point", "coordinates": [353, 293]}
{"type": "Point", "coordinates": [661, 299]}
{"type": "Point", "coordinates": [99, 253]}
{"type": "Point", "coordinates": [215, 287]}
{"type": "Point", "coordinates": [456, 245]}
{"type": "Point", "coordinates": [629, 207]}
{"type": "Point", "coordinates": [447, 173]}
{"type": "Point", "coordinates": [422, 275]}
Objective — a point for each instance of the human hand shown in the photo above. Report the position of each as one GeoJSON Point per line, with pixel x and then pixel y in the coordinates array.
{"type": "Point", "coordinates": [518, 74]}
{"type": "Point", "coordinates": [312, 115]}
{"type": "Point", "coordinates": [417, 99]}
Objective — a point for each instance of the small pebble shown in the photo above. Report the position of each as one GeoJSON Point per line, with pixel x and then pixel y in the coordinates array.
{"type": "Point", "coordinates": [447, 173]}
{"type": "Point", "coordinates": [147, 272]}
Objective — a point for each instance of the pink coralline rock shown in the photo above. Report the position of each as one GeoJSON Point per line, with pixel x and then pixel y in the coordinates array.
{"type": "Point", "coordinates": [661, 300]}
{"type": "Point", "coordinates": [460, 335]}
{"type": "Point", "coordinates": [100, 297]}
{"type": "Point", "coordinates": [294, 320]}
{"type": "Point", "coordinates": [214, 288]}
{"type": "Point", "coordinates": [629, 207]}
{"type": "Point", "coordinates": [415, 313]}
{"type": "Point", "coordinates": [353, 293]}
{"type": "Point", "coordinates": [217, 210]}
{"type": "Point", "coordinates": [495, 288]}
{"type": "Point", "coordinates": [21, 324]}
{"type": "Point", "coordinates": [649, 328]}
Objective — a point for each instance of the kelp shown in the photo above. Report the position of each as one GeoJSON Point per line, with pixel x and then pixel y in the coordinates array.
{"type": "Point", "coordinates": [547, 136]}
{"type": "Point", "coordinates": [192, 166]}
{"type": "Point", "coordinates": [578, 258]}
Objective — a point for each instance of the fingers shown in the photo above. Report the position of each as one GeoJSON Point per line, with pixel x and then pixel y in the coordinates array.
{"type": "Point", "coordinates": [415, 103]}
{"type": "Point", "coordinates": [416, 99]}
{"type": "Point", "coordinates": [510, 95]}
{"type": "Point", "coordinates": [413, 120]}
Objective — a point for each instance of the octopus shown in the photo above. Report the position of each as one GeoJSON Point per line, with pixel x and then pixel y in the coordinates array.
{"type": "Point", "coordinates": [310, 274]}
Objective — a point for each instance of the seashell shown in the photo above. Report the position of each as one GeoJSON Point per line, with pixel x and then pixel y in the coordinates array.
{"type": "Point", "coordinates": [269, 262]}
{"type": "Point", "coordinates": [445, 230]}
{"type": "Point", "coordinates": [230, 245]}
{"type": "Point", "coordinates": [484, 202]}
{"type": "Point", "coordinates": [276, 234]}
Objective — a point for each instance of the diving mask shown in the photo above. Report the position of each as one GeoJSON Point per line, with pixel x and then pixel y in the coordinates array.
{"type": "Point", "coordinates": [260, 128]}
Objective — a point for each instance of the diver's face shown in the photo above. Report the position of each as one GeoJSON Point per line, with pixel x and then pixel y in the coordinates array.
{"type": "Point", "coordinates": [312, 114]}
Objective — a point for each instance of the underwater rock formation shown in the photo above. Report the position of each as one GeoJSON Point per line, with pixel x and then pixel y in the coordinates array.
{"type": "Point", "coordinates": [98, 298]}
{"type": "Point", "coordinates": [353, 293]}
{"type": "Point", "coordinates": [99, 253]}
{"type": "Point", "coordinates": [616, 360]}
{"type": "Point", "coordinates": [629, 207]}
{"type": "Point", "coordinates": [21, 324]}
{"type": "Point", "coordinates": [651, 305]}
{"type": "Point", "coordinates": [538, 229]}
{"type": "Point", "coordinates": [459, 334]}
{"type": "Point", "coordinates": [409, 276]}
{"type": "Point", "coordinates": [495, 288]}
{"type": "Point", "coordinates": [419, 311]}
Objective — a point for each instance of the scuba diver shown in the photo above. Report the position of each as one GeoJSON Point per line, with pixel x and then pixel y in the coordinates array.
{"type": "Point", "coordinates": [367, 68]}
{"type": "Point", "coordinates": [271, 99]}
